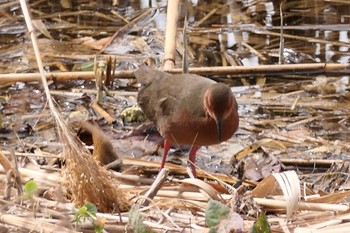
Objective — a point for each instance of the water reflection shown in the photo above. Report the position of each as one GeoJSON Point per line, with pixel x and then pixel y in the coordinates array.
{"type": "Point", "coordinates": [217, 31]}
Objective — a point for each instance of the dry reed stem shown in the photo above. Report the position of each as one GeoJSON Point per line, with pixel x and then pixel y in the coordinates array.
{"type": "Point", "coordinates": [239, 71]}
{"type": "Point", "coordinates": [97, 107]}
{"type": "Point", "coordinates": [266, 69]}
{"type": "Point", "coordinates": [269, 203]}
{"type": "Point", "coordinates": [31, 224]}
{"type": "Point", "coordinates": [323, 225]}
{"type": "Point", "coordinates": [178, 169]}
{"type": "Point", "coordinates": [261, 31]}
{"type": "Point", "coordinates": [13, 178]}
{"type": "Point", "coordinates": [311, 162]}
{"type": "Point", "coordinates": [127, 27]}
{"type": "Point", "coordinates": [170, 36]}
{"type": "Point", "coordinates": [302, 38]}
{"type": "Point", "coordinates": [6, 164]}
{"type": "Point", "coordinates": [152, 191]}
{"type": "Point", "coordinates": [207, 16]}
{"type": "Point", "coordinates": [205, 189]}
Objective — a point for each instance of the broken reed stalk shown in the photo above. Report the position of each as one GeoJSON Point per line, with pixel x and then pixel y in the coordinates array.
{"type": "Point", "coordinates": [127, 27]}
{"type": "Point", "coordinates": [266, 69]}
{"type": "Point", "coordinates": [281, 48]}
{"type": "Point", "coordinates": [84, 179]}
{"type": "Point", "coordinates": [239, 71]}
{"type": "Point", "coordinates": [102, 112]}
{"type": "Point", "coordinates": [170, 36]}
{"type": "Point", "coordinates": [153, 190]}
{"type": "Point", "coordinates": [13, 177]}
{"type": "Point", "coordinates": [261, 31]}
{"type": "Point", "coordinates": [31, 224]}
{"type": "Point", "coordinates": [280, 204]}
{"type": "Point", "coordinates": [6, 164]}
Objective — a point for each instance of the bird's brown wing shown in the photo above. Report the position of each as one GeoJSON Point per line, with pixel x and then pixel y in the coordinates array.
{"type": "Point", "coordinates": [147, 75]}
{"type": "Point", "coordinates": [155, 104]}
{"type": "Point", "coordinates": [164, 95]}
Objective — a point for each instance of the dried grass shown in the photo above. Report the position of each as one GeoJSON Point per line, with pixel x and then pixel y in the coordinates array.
{"type": "Point", "coordinates": [87, 181]}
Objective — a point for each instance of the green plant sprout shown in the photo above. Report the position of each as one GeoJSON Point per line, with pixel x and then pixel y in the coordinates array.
{"type": "Point", "coordinates": [88, 212]}
{"type": "Point", "coordinates": [30, 188]}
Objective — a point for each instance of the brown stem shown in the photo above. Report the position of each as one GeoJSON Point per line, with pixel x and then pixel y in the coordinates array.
{"type": "Point", "coordinates": [170, 37]}
{"type": "Point", "coordinates": [315, 68]}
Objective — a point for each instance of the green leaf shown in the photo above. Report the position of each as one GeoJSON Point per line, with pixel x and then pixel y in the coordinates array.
{"type": "Point", "coordinates": [88, 210]}
{"type": "Point", "coordinates": [80, 213]}
{"type": "Point", "coordinates": [30, 189]}
{"type": "Point", "coordinates": [91, 209]}
{"type": "Point", "coordinates": [215, 212]}
{"type": "Point", "coordinates": [261, 225]}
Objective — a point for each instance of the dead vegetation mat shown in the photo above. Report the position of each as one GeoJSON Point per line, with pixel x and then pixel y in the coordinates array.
{"type": "Point", "coordinates": [302, 133]}
{"type": "Point", "coordinates": [296, 126]}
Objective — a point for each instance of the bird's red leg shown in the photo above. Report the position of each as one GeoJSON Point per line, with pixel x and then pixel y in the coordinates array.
{"type": "Point", "coordinates": [167, 146]}
{"type": "Point", "coordinates": [192, 158]}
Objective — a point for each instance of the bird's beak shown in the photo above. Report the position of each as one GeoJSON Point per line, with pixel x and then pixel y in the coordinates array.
{"type": "Point", "coordinates": [219, 123]}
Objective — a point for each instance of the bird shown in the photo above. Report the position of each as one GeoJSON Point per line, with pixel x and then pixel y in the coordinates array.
{"type": "Point", "coordinates": [187, 109]}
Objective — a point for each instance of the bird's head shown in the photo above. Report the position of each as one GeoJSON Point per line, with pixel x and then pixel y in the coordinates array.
{"type": "Point", "coordinates": [219, 103]}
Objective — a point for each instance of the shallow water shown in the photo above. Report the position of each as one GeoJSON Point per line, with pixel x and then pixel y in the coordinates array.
{"type": "Point", "coordinates": [235, 33]}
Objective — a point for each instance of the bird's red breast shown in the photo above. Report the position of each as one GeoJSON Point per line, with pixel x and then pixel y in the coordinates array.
{"type": "Point", "coordinates": [186, 107]}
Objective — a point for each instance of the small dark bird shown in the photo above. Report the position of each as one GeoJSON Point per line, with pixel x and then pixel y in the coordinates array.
{"type": "Point", "coordinates": [187, 109]}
